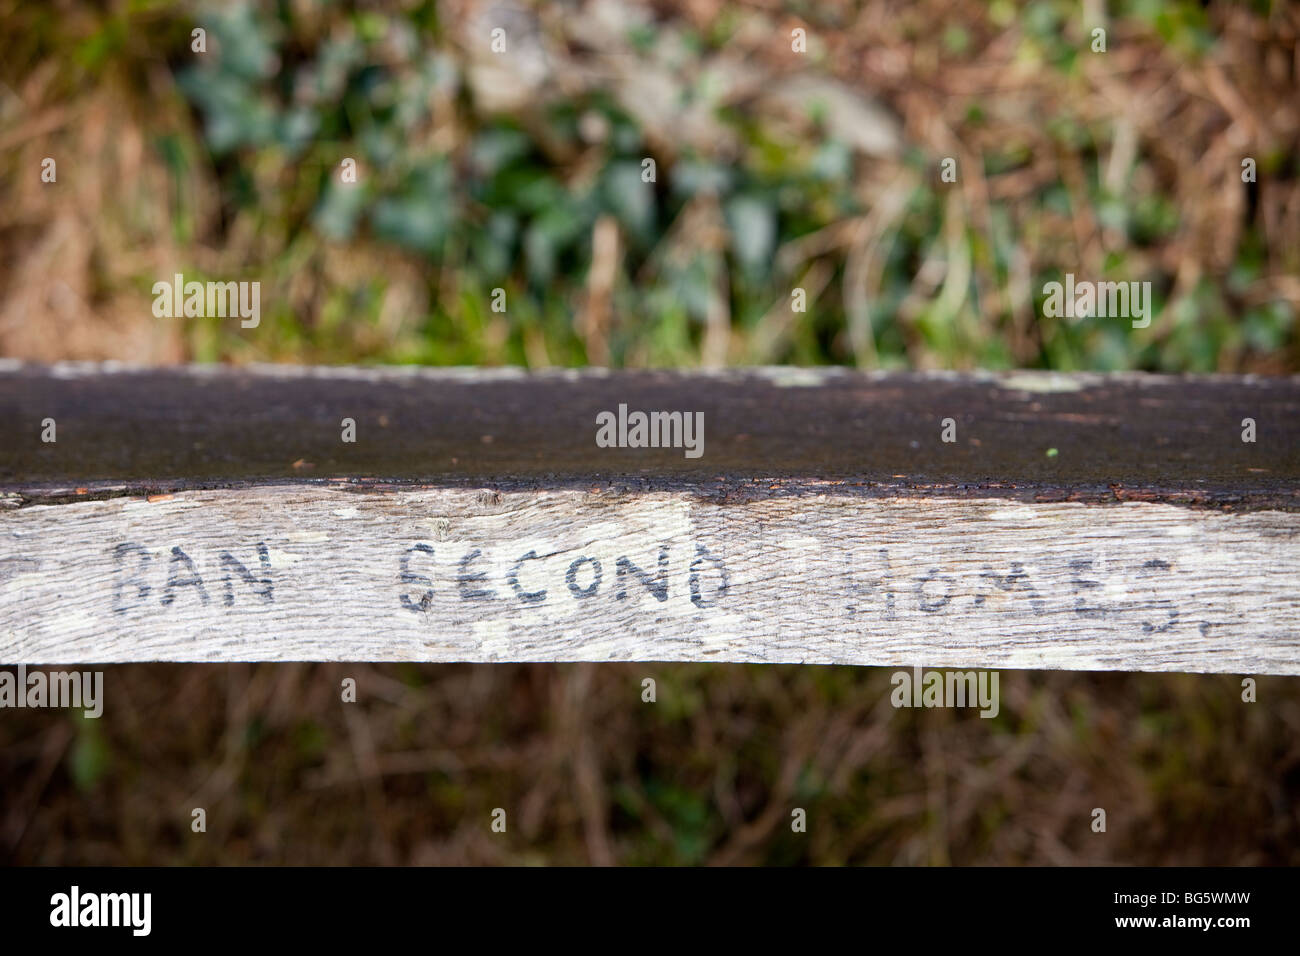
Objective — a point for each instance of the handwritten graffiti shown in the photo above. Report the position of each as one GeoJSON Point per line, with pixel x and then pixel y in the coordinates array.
{"type": "Point", "coordinates": [167, 577]}
{"type": "Point", "coordinates": [680, 575]}
{"type": "Point", "coordinates": [533, 579]}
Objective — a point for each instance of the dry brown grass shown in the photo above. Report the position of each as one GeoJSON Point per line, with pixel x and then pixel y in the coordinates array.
{"type": "Point", "coordinates": [588, 773]}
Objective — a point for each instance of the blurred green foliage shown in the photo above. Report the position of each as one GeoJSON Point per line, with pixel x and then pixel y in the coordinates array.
{"type": "Point", "coordinates": [279, 109]}
{"type": "Point", "coordinates": [454, 200]}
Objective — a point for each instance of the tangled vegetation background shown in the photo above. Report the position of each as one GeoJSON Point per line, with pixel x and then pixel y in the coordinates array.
{"type": "Point", "coordinates": [774, 170]}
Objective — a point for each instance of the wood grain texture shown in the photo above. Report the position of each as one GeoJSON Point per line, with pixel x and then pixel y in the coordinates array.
{"type": "Point", "coordinates": [315, 573]}
{"type": "Point", "coordinates": [1078, 521]}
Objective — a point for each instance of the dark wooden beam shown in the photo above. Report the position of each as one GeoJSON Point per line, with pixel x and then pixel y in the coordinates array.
{"type": "Point", "coordinates": [1075, 521]}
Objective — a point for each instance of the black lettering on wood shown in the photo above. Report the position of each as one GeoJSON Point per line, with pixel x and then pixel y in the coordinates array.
{"type": "Point", "coordinates": [407, 576]}
{"type": "Point", "coordinates": [1080, 585]}
{"type": "Point", "coordinates": [571, 577]}
{"type": "Point", "coordinates": [136, 579]}
{"type": "Point", "coordinates": [1018, 579]}
{"type": "Point", "coordinates": [527, 597]}
{"type": "Point", "coordinates": [1151, 567]}
{"type": "Point", "coordinates": [175, 579]}
{"type": "Point", "coordinates": [864, 589]}
{"type": "Point", "coordinates": [659, 587]}
{"type": "Point", "coordinates": [465, 578]}
{"type": "Point", "coordinates": [932, 607]}
{"type": "Point", "coordinates": [703, 556]}
{"type": "Point", "coordinates": [261, 586]}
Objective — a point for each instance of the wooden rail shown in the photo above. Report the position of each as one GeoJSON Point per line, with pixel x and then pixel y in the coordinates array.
{"type": "Point", "coordinates": [1079, 522]}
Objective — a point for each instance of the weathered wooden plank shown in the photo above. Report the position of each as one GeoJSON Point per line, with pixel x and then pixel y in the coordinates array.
{"type": "Point", "coordinates": [310, 573]}
{"type": "Point", "coordinates": [1093, 522]}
